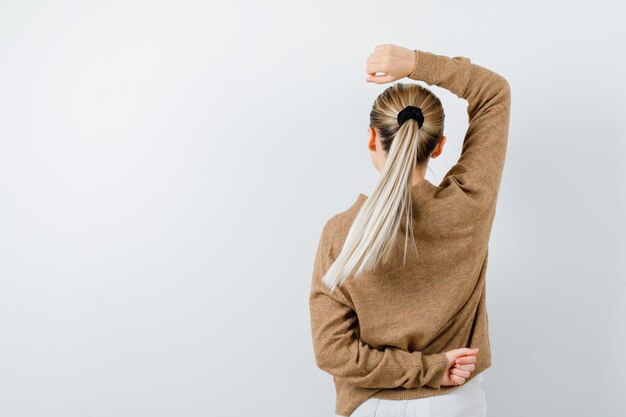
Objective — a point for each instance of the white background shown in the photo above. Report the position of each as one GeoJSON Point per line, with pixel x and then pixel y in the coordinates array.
{"type": "Point", "coordinates": [166, 169]}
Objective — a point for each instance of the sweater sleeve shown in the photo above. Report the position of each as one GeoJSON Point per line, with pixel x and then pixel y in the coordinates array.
{"type": "Point", "coordinates": [340, 352]}
{"type": "Point", "coordinates": [479, 169]}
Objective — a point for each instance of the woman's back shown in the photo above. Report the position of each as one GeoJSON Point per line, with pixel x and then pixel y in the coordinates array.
{"type": "Point", "coordinates": [384, 333]}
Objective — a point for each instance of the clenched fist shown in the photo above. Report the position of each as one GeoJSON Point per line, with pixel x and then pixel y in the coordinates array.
{"type": "Point", "coordinates": [460, 366]}
{"type": "Point", "coordinates": [394, 62]}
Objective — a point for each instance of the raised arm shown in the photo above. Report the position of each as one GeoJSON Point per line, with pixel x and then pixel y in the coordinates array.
{"type": "Point", "coordinates": [479, 169]}
{"type": "Point", "coordinates": [340, 352]}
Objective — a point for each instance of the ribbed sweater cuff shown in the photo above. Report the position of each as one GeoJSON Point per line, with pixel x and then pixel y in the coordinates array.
{"type": "Point", "coordinates": [435, 366]}
{"type": "Point", "coordinates": [433, 69]}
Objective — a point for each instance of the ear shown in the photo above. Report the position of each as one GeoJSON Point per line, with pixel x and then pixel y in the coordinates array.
{"type": "Point", "coordinates": [439, 148]}
{"type": "Point", "coordinates": [371, 139]}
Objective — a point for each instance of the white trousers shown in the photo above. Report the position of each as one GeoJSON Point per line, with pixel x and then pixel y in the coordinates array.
{"type": "Point", "coordinates": [468, 400]}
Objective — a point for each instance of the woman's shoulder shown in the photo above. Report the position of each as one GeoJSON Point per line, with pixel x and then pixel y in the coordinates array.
{"type": "Point", "coordinates": [338, 225]}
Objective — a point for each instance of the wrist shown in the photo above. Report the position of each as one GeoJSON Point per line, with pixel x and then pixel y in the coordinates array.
{"type": "Point", "coordinates": [415, 59]}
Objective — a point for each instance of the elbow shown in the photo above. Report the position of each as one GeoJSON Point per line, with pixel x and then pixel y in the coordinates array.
{"type": "Point", "coordinates": [500, 89]}
{"type": "Point", "coordinates": [505, 87]}
{"type": "Point", "coordinates": [333, 365]}
{"type": "Point", "coordinates": [498, 85]}
{"type": "Point", "coordinates": [319, 362]}
{"type": "Point", "coordinates": [322, 361]}
{"type": "Point", "coordinates": [325, 363]}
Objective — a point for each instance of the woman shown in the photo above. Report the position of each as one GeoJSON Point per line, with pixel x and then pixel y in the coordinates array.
{"type": "Point", "coordinates": [398, 295]}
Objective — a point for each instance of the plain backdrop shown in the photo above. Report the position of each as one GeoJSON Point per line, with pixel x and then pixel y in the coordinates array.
{"type": "Point", "coordinates": [166, 169]}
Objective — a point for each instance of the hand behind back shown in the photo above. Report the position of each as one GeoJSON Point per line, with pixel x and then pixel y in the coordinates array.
{"type": "Point", "coordinates": [461, 363]}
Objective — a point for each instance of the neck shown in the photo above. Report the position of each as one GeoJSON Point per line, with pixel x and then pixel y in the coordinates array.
{"type": "Point", "coordinates": [418, 176]}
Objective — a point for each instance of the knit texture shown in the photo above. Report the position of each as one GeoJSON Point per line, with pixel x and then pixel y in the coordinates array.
{"type": "Point", "coordinates": [384, 334]}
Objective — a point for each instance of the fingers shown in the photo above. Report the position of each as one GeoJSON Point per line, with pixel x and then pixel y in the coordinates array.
{"type": "Point", "coordinates": [457, 380]}
{"type": "Point", "coordinates": [460, 372]}
{"type": "Point", "coordinates": [378, 64]}
{"type": "Point", "coordinates": [462, 360]}
{"type": "Point", "coordinates": [463, 363]}
{"type": "Point", "coordinates": [467, 351]}
{"type": "Point", "coordinates": [379, 79]}
{"type": "Point", "coordinates": [463, 368]}
{"type": "Point", "coordinates": [468, 367]}
{"type": "Point", "coordinates": [374, 68]}
{"type": "Point", "coordinates": [463, 352]}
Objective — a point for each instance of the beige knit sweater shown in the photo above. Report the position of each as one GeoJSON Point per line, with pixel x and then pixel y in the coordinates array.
{"type": "Point", "coordinates": [385, 333]}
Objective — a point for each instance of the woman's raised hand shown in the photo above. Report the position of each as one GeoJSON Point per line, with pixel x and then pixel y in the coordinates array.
{"type": "Point", "coordinates": [461, 363]}
{"type": "Point", "coordinates": [394, 62]}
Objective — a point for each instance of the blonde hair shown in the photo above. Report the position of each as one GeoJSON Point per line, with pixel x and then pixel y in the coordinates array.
{"type": "Point", "coordinates": [372, 237]}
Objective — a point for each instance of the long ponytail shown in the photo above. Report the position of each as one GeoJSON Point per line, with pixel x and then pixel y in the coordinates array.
{"type": "Point", "coordinates": [373, 235]}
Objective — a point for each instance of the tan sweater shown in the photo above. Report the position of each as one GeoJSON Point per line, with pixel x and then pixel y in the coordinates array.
{"type": "Point", "coordinates": [385, 334]}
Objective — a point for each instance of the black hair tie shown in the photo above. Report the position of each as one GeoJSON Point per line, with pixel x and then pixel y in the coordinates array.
{"type": "Point", "coordinates": [411, 112]}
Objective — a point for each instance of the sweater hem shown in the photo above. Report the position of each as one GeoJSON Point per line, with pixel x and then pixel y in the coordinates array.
{"type": "Point", "coordinates": [343, 410]}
